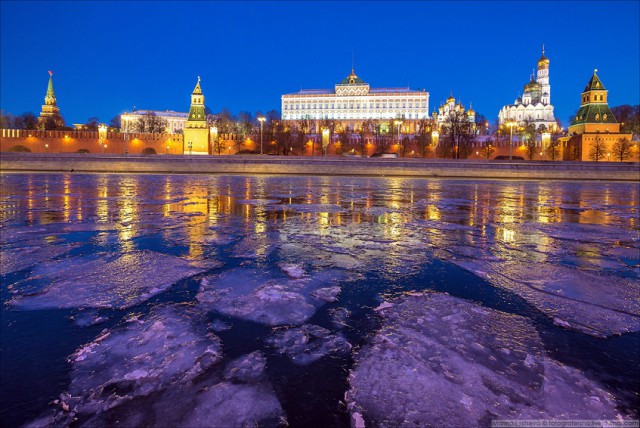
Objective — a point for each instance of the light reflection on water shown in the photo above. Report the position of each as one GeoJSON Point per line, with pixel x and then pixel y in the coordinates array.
{"type": "Point", "coordinates": [188, 215]}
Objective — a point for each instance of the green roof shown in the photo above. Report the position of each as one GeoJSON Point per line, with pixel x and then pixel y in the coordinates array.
{"type": "Point", "coordinates": [594, 83]}
{"type": "Point", "coordinates": [196, 113]}
{"type": "Point", "coordinates": [50, 97]}
{"type": "Point", "coordinates": [594, 113]}
{"type": "Point", "coordinates": [352, 79]}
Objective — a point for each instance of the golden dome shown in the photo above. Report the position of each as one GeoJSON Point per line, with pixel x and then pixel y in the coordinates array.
{"type": "Point", "coordinates": [451, 100]}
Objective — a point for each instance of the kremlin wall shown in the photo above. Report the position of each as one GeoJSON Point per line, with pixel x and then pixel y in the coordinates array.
{"type": "Point", "coordinates": [353, 104]}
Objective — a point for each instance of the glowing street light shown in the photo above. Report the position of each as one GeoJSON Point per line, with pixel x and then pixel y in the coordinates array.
{"type": "Point", "coordinates": [434, 141]}
{"type": "Point", "coordinates": [511, 125]}
{"type": "Point", "coordinates": [398, 122]}
{"type": "Point", "coordinates": [102, 136]}
{"type": "Point", "coordinates": [261, 119]}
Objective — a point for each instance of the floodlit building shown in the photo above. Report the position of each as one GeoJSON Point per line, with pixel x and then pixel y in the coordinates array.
{"type": "Point", "coordinates": [50, 109]}
{"type": "Point", "coordinates": [451, 107]}
{"type": "Point", "coordinates": [196, 129]}
{"type": "Point", "coordinates": [534, 106]}
{"type": "Point", "coordinates": [175, 120]}
{"type": "Point", "coordinates": [352, 100]}
{"type": "Point", "coordinates": [594, 131]}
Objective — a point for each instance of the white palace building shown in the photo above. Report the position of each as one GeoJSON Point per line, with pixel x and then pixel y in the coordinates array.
{"type": "Point", "coordinates": [352, 100]}
{"type": "Point", "coordinates": [175, 120]}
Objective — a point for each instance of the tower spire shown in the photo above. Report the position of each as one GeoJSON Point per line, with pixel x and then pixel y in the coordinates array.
{"type": "Point", "coordinates": [50, 97]}
{"type": "Point", "coordinates": [543, 49]}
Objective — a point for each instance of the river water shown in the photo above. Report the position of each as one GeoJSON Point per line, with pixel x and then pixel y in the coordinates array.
{"type": "Point", "coordinates": [156, 300]}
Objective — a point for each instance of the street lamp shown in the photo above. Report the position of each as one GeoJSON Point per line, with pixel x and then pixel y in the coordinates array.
{"type": "Point", "coordinates": [213, 136]}
{"type": "Point", "coordinates": [261, 119]}
{"type": "Point", "coordinates": [46, 147]}
{"type": "Point", "coordinates": [102, 135]}
{"type": "Point", "coordinates": [434, 142]}
{"type": "Point", "coordinates": [398, 123]}
{"type": "Point", "coordinates": [190, 146]}
{"type": "Point", "coordinates": [511, 125]}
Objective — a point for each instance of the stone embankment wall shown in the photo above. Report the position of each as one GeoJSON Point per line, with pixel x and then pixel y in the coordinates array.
{"type": "Point", "coordinates": [353, 166]}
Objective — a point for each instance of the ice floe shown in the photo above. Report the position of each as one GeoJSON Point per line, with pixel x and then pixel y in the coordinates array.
{"type": "Point", "coordinates": [169, 345]}
{"type": "Point", "coordinates": [102, 280]}
{"type": "Point", "coordinates": [308, 343]}
{"type": "Point", "coordinates": [600, 305]}
{"type": "Point", "coordinates": [442, 361]}
{"type": "Point", "coordinates": [267, 297]}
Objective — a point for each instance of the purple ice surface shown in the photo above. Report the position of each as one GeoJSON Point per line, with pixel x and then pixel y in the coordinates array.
{"type": "Point", "coordinates": [103, 280]}
{"type": "Point", "coordinates": [599, 305]}
{"type": "Point", "coordinates": [266, 297]}
{"type": "Point", "coordinates": [442, 361]}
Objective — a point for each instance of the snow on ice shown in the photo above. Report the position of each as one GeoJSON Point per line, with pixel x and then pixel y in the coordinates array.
{"type": "Point", "coordinates": [308, 343]}
{"type": "Point", "coordinates": [442, 361]}
{"type": "Point", "coordinates": [102, 280]}
{"type": "Point", "coordinates": [600, 305]}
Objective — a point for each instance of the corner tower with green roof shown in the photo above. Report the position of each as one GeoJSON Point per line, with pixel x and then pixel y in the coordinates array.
{"type": "Point", "coordinates": [196, 129]}
{"type": "Point", "coordinates": [594, 126]}
{"type": "Point", "coordinates": [594, 114]}
{"type": "Point", "coordinates": [50, 114]}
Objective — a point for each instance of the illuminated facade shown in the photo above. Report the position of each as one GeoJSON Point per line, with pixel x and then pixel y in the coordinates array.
{"type": "Point", "coordinates": [50, 109]}
{"type": "Point", "coordinates": [451, 107]}
{"type": "Point", "coordinates": [175, 120]}
{"type": "Point", "coordinates": [353, 100]}
{"type": "Point", "coordinates": [196, 129]}
{"type": "Point", "coordinates": [595, 123]}
{"type": "Point", "coordinates": [535, 104]}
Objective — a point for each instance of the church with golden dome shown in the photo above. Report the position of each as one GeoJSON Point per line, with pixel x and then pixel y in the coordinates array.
{"type": "Point", "coordinates": [451, 107]}
{"type": "Point", "coordinates": [534, 106]}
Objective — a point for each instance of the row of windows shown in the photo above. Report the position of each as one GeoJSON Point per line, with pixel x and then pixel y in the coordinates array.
{"type": "Point", "coordinates": [350, 105]}
{"type": "Point", "coordinates": [355, 116]}
{"type": "Point", "coordinates": [594, 98]}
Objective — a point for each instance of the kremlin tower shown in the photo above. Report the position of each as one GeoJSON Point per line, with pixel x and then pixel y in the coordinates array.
{"type": "Point", "coordinates": [50, 110]}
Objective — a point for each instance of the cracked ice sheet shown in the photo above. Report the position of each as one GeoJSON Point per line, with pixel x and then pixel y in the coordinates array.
{"type": "Point", "coordinates": [168, 345]}
{"type": "Point", "coordinates": [593, 304]}
{"type": "Point", "coordinates": [15, 259]}
{"type": "Point", "coordinates": [306, 344]}
{"type": "Point", "coordinates": [102, 280]}
{"type": "Point", "coordinates": [442, 361]}
{"type": "Point", "coordinates": [242, 397]}
{"type": "Point", "coordinates": [264, 297]}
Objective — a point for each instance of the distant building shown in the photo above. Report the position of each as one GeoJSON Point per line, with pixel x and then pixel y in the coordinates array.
{"type": "Point", "coordinates": [535, 104]}
{"type": "Point", "coordinates": [50, 109]}
{"type": "Point", "coordinates": [196, 128]}
{"type": "Point", "coordinates": [451, 107]}
{"type": "Point", "coordinates": [352, 100]}
{"type": "Point", "coordinates": [593, 124]}
{"type": "Point", "coordinates": [175, 120]}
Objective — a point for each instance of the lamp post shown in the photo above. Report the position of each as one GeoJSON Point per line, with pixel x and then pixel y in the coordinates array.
{"type": "Point", "coordinates": [46, 147]}
{"type": "Point", "coordinates": [434, 142]}
{"type": "Point", "coordinates": [213, 136]}
{"type": "Point", "coordinates": [102, 136]}
{"type": "Point", "coordinates": [510, 125]}
{"type": "Point", "coordinates": [261, 119]}
{"type": "Point", "coordinates": [189, 146]}
{"type": "Point", "coordinates": [398, 123]}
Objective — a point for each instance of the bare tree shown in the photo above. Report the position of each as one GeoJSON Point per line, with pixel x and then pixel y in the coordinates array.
{"type": "Point", "coordinates": [150, 123]}
{"type": "Point", "coordinates": [366, 129]}
{"type": "Point", "coordinates": [303, 127]}
{"type": "Point", "coordinates": [487, 148]}
{"type": "Point", "coordinates": [330, 125]}
{"type": "Point", "coordinates": [622, 149]}
{"type": "Point", "coordinates": [597, 149]}
{"type": "Point", "coordinates": [456, 126]}
{"type": "Point", "coordinates": [425, 126]}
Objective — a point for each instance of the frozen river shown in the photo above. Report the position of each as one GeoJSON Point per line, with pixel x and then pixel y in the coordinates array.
{"type": "Point", "coordinates": [149, 300]}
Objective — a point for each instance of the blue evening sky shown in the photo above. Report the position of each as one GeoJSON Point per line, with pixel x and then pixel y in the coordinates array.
{"type": "Point", "coordinates": [109, 56]}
